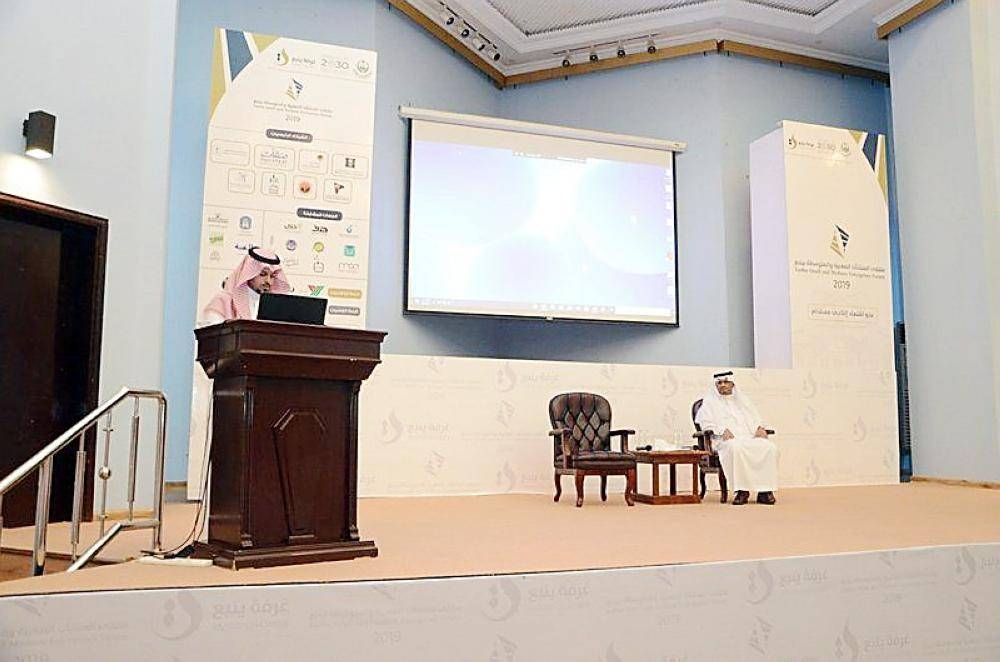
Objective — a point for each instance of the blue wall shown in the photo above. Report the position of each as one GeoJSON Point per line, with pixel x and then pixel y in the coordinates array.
{"type": "Point", "coordinates": [942, 114]}
{"type": "Point", "coordinates": [718, 105]}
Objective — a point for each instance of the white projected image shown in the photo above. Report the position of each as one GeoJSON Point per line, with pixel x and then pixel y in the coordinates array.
{"type": "Point", "coordinates": [521, 231]}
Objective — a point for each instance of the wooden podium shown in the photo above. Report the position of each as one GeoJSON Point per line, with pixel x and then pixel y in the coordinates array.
{"type": "Point", "coordinates": [285, 441]}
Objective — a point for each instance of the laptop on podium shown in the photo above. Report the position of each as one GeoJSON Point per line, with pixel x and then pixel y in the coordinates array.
{"type": "Point", "coordinates": [291, 308]}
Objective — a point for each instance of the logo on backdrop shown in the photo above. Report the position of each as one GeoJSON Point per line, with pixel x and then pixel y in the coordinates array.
{"type": "Point", "coordinates": [839, 242]}
{"type": "Point", "coordinates": [506, 478]}
{"type": "Point", "coordinates": [760, 584]}
{"type": "Point", "coordinates": [965, 567]}
{"type": "Point", "coordinates": [506, 378]}
{"type": "Point", "coordinates": [847, 646]}
{"type": "Point", "coordinates": [294, 90]}
{"type": "Point", "coordinates": [392, 428]}
{"type": "Point", "coordinates": [504, 650]}
{"type": "Point", "coordinates": [180, 617]}
{"type": "Point", "coordinates": [504, 600]}
{"type": "Point", "coordinates": [282, 57]}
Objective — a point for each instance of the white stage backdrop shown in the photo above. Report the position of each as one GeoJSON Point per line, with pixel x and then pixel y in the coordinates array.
{"type": "Point", "coordinates": [288, 167]}
{"type": "Point", "coordinates": [820, 237]}
{"type": "Point", "coordinates": [939, 603]}
{"type": "Point", "coordinates": [448, 425]}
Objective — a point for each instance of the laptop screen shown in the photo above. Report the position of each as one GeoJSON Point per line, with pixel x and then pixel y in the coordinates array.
{"type": "Point", "coordinates": [291, 308]}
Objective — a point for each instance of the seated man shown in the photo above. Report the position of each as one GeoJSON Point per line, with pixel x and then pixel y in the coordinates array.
{"type": "Point", "coordinates": [748, 457]}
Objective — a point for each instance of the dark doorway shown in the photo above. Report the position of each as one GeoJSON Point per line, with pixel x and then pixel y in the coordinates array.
{"type": "Point", "coordinates": [50, 344]}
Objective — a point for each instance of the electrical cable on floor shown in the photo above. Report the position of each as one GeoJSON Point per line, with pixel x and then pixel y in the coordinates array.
{"type": "Point", "coordinates": [186, 547]}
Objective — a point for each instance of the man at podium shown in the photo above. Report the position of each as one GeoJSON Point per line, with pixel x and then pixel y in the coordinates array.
{"type": "Point", "coordinates": [258, 272]}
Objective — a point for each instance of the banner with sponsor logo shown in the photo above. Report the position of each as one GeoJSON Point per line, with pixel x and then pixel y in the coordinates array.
{"type": "Point", "coordinates": [287, 167]}
{"type": "Point", "coordinates": [820, 235]}
{"type": "Point", "coordinates": [921, 603]}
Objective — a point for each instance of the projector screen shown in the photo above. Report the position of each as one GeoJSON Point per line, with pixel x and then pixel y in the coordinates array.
{"type": "Point", "coordinates": [520, 224]}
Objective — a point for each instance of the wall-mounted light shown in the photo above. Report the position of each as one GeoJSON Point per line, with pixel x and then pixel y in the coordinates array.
{"type": "Point", "coordinates": [39, 134]}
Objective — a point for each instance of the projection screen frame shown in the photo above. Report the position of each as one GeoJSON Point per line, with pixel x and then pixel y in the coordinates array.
{"type": "Point", "coordinates": [409, 114]}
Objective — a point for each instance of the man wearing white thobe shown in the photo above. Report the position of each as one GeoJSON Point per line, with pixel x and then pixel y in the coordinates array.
{"type": "Point", "coordinates": [749, 459]}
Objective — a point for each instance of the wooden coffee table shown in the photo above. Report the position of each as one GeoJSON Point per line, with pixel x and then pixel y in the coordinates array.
{"type": "Point", "coordinates": [673, 458]}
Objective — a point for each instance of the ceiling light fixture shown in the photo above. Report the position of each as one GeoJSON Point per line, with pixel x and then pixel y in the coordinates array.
{"type": "Point", "coordinates": [478, 43]}
{"type": "Point", "coordinates": [447, 17]}
{"type": "Point", "coordinates": [466, 31]}
{"type": "Point", "coordinates": [621, 50]}
{"type": "Point", "coordinates": [650, 46]}
{"type": "Point", "coordinates": [593, 55]}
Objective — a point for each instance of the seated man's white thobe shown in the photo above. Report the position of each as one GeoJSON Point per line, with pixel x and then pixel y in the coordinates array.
{"type": "Point", "coordinates": [749, 458]}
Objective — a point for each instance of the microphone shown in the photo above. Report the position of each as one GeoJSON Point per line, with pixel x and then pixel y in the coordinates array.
{"type": "Point", "coordinates": [647, 447]}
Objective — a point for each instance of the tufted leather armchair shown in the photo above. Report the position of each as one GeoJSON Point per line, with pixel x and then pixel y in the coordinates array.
{"type": "Point", "coordinates": [581, 444]}
{"type": "Point", "coordinates": [709, 464]}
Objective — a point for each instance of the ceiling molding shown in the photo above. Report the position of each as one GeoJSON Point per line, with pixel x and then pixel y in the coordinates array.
{"type": "Point", "coordinates": [814, 53]}
{"type": "Point", "coordinates": [907, 17]}
{"type": "Point", "coordinates": [713, 39]}
{"type": "Point", "coordinates": [668, 53]}
{"type": "Point", "coordinates": [450, 40]}
{"type": "Point", "coordinates": [836, 13]}
{"type": "Point", "coordinates": [894, 11]}
{"type": "Point", "coordinates": [785, 57]}
{"type": "Point", "coordinates": [608, 52]}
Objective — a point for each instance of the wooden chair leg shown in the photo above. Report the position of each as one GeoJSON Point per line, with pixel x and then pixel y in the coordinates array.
{"type": "Point", "coordinates": [579, 489]}
{"type": "Point", "coordinates": [604, 488]}
{"type": "Point", "coordinates": [724, 486]}
{"type": "Point", "coordinates": [630, 487]}
{"type": "Point", "coordinates": [703, 487]}
{"type": "Point", "coordinates": [558, 479]}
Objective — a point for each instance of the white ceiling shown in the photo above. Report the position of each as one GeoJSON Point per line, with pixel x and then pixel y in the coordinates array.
{"type": "Point", "coordinates": [537, 34]}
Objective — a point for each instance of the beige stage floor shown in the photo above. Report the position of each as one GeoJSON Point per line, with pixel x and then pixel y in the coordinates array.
{"type": "Point", "coordinates": [455, 536]}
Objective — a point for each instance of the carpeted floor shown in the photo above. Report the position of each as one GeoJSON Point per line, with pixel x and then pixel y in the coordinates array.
{"type": "Point", "coordinates": [454, 536]}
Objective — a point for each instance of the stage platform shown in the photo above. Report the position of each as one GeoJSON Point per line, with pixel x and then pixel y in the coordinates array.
{"type": "Point", "coordinates": [421, 537]}
{"type": "Point", "coordinates": [900, 572]}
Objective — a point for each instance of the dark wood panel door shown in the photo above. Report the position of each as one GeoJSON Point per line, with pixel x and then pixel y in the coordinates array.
{"type": "Point", "coordinates": [28, 319]}
{"type": "Point", "coordinates": [50, 339]}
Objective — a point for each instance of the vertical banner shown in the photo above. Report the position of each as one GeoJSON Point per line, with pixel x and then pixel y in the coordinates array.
{"type": "Point", "coordinates": [287, 167]}
{"type": "Point", "coordinates": [820, 226]}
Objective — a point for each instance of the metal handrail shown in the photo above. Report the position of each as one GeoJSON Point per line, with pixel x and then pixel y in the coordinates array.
{"type": "Point", "coordinates": [42, 461]}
